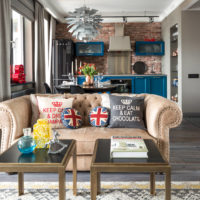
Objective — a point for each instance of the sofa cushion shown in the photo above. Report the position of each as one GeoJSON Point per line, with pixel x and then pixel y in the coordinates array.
{"type": "Point", "coordinates": [126, 112]}
{"type": "Point", "coordinates": [99, 116]}
{"type": "Point", "coordinates": [105, 99]}
{"type": "Point", "coordinates": [71, 118]}
{"type": "Point", "coordinates": [86, 136]}
{"type": "Point", "coordinates": [34, 105]}
{"type": "Point", "coordinates": [51, 109]}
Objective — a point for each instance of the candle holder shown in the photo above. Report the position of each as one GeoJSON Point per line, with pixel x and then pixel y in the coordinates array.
{"type": "Point", "coordinates": [75, 80]}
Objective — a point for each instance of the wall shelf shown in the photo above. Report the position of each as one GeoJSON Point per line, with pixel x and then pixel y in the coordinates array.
{"type": "Point", "coordinates": [174, 63]}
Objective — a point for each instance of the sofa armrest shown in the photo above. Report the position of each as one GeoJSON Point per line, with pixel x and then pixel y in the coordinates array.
{"type": "Point", "coordinates": [161, 115]}
{"type": "Point", "coordinates": [15, 114]}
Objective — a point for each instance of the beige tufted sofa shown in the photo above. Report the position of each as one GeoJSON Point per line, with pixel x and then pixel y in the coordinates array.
{"type": "Point", "coordinates": [160, 115]}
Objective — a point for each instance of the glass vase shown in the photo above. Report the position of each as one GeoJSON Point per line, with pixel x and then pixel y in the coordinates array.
{"type": "Point", "coordinates": [26, 144]}
{"type": "Point", "coordinates": [89, 80]}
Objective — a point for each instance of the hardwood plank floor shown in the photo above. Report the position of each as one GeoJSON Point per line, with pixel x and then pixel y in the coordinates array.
{"type": "Point", "coordinates": [184, 159]}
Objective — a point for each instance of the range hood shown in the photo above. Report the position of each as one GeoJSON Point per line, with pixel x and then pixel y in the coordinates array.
{"type": "Point", "coordinates": [119, 42]}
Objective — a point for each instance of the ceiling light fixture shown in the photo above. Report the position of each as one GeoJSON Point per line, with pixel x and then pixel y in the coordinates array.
{"type": "Point", "coordinates": [84, 24]}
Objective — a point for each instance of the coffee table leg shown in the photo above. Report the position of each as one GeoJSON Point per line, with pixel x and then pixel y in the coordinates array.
{"type": "Point", "coordinates": [62, 187]}
{"type": "Point", "coordinates": [20, 183]}
{"type": "Point", "coordinates": [98, 183]}
{"type": "Point", "coordinates": [152, 183]}
{"type": "Point", "coordinates": [168, 184]}
{"type": "Point", "coordinates": [74, 173]}
{"type": "Point", "coordinates": [93, 182]}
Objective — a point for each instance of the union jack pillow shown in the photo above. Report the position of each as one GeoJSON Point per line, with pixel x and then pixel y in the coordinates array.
{"type": "Point", "coordinates": [99, 116]}
{"type": "Point", "coordinates": [71, 118]}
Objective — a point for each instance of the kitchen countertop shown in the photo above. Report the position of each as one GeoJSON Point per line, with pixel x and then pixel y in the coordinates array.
{"type": "Point", "coordinates": [131, 75]}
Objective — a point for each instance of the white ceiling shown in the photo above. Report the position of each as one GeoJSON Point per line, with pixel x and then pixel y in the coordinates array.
{"type": "Point", "coordinates": [161, 8]}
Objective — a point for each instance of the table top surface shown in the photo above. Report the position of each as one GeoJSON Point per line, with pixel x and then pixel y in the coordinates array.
{"type": "Point", "coordinates": [102, 154]}
{"type": "Point", "coordinates": [38, 156]}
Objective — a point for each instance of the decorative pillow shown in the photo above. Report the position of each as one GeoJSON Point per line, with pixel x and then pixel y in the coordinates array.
{"type": "Point", "coordinates": [126, 112]}
{"type": "Point", "coordinates": [51, 109]}
{"type": "Point", "coordinates": [34, 105]}
{"type": "Point", "coordinates": [99, 116]}
{"type": "Point", "coordinates": [71, 118]}
{"type": "Point", "coordinates": [105, 99]}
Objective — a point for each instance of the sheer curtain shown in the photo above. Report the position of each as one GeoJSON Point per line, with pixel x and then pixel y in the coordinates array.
{"type": "Point", "coordinates": [5, 12]}
{"type": "Point", "coordinates": [39, 48]}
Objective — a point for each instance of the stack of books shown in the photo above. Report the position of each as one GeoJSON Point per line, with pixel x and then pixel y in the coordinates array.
{"type": "Point", "coordinates": [128, 147]}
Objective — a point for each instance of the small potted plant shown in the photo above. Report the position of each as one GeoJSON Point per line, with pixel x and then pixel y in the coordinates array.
{"type": "Point", "coordinates": [89, 70]}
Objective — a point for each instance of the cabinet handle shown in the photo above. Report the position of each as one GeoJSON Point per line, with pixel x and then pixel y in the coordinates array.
{"type": "Point", "coordinates": [140, 77]}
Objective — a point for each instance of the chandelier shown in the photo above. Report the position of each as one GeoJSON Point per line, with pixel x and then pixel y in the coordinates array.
{"type": "Point", "coordinates": [84, 24]}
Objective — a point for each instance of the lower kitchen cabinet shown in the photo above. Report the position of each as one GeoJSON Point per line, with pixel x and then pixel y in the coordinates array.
{"type": "Point", "coordinates": [140, 85]}
{"type": "Point", "coordinates": [158, 85]}
{"type": "Point", "coordinates": [152, 84]}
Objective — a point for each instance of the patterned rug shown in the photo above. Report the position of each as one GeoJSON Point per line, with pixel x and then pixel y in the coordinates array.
{"type": "Point", "coordinates": [110, 191]}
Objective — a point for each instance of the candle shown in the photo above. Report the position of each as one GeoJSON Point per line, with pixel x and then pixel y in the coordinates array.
{"type": "Point", "coordinates": [76, 65]}
{"type": "Point", "coordinates": [72, 68]}
{"type": "Point", "coordinates": [80, 64]}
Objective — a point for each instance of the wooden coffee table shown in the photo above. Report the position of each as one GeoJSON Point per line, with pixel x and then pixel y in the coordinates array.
{"type": "Point", "coordinates": [40, 161]}
{"type": "Point", "coordinates": [101, 162]}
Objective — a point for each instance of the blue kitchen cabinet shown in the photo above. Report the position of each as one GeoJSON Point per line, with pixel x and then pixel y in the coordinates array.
{"type": "Point", "coordinates": [89, 48]}
{"type": "Point", "coordinates": [152, 84]}
{"type": "Point", "coordinates": [148, 48]}
{"type": "Point", "coordinates": [158, 85]}
{"type": "Point", "coordinates": [140, 84]}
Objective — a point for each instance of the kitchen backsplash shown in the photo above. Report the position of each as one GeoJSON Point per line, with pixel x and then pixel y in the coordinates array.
{"type": "Point", "coordinates": [136, 31]}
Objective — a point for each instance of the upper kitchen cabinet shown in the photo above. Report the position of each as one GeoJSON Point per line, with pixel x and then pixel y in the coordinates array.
{"type": "Point", "coordinates": [89, 49]}
{"type": "Point", "coordinates": [148, 48]}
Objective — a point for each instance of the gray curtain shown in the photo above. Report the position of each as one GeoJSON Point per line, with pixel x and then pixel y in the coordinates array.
{"type": "Point", "coordinates": [5, 23]}
{"type": "Point", "coordinates": [52, 31]}
{"type": "Point", "coordinates": [39, 48]}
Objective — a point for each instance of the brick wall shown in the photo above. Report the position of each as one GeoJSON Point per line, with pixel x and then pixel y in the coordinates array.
{"type": "Point", "coordinates": [136, 31]}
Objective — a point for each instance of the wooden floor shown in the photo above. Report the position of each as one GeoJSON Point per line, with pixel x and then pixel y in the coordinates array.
{"type": "Point", "coordinates": [185, 159]}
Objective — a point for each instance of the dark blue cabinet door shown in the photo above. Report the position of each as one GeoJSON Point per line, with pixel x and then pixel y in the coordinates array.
{"type": "Point", "coordinates": [158, 85]}
{"type": "Point", "coordinates": [89, 49]}
{"type": "Point", "coordinates": [146, 48]}
{"type": "Point", "coordinates": [140, 85]}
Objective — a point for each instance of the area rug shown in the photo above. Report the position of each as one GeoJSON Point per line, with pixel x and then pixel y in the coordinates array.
{"type": "Point", "coordinates": [110, 191]}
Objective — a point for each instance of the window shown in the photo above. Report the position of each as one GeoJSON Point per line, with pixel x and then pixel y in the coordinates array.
{"type": "Point", "coordinates": [46, 41]}
{"type": "Point", "coordinates": [22, 46]}
{"type": "Point", "coordinates": [17, 38]}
